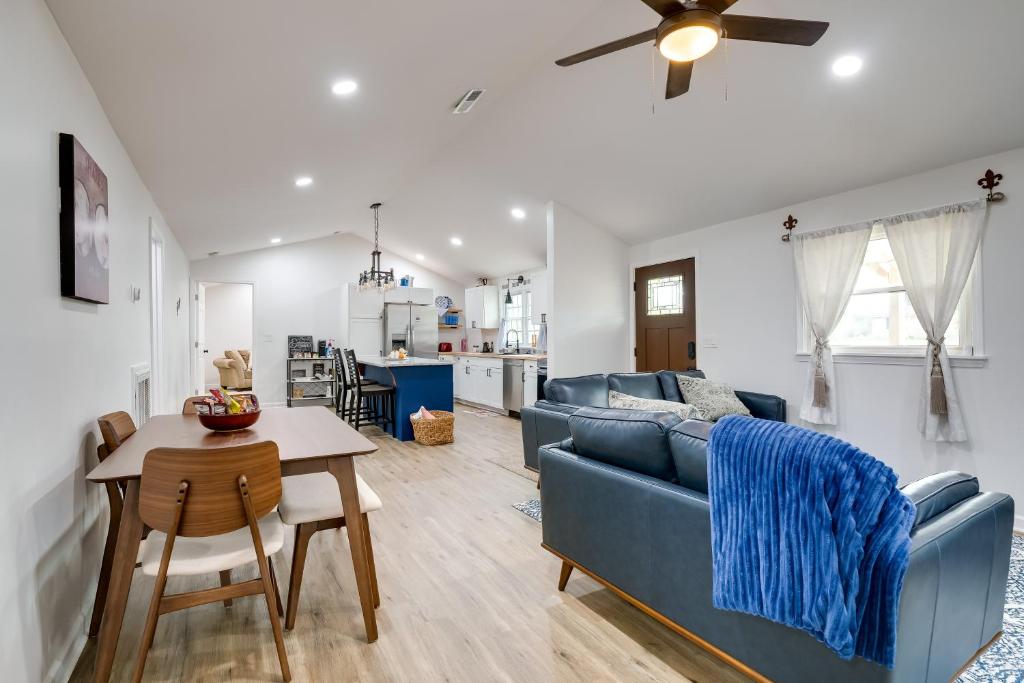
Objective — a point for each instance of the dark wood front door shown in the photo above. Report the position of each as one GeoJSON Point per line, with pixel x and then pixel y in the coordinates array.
{"type": "Point", "coordinates": [666, 320]}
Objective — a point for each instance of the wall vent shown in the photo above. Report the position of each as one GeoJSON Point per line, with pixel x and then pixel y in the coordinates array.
{"type": "Point", "coordinates": [468, 100]}
{"type": "Point", "coordinates": [142, 400]}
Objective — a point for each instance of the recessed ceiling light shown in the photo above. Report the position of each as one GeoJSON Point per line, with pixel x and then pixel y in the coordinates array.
{"type": "Point", "coordinates": [847, 65]}
{"type": "Point", "coordinates": [303, 181]}
{"type": "Point", "coordinates": [420, 257]}
{"type": "Point", "coordinates": [518, 213]}
{"type": "Point", "coordinates": [456, 241]}
{"type": "Point", "coordinates": [275, 240]}
{"type": "Point", "coordinates": [346, 87]}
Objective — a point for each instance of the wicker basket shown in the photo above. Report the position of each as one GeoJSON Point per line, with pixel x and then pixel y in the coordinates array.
{"type": "Point", "coordinates": [440, 430]}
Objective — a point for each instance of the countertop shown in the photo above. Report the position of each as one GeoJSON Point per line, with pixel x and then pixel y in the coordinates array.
{"type": "Point", "coordinates": [412, 361]}
{"type": "Point", "coordinates": [509, 356]}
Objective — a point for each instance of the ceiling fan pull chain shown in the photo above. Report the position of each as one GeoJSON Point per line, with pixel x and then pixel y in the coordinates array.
{"type": "Point", "coordinates": [654, 82]}
{"type": "Point", "coordinates": [725, 35]}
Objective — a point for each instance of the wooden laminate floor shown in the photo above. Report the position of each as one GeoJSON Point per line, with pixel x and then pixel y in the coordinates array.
{"type": "Point", "coordinates": [467, 593]}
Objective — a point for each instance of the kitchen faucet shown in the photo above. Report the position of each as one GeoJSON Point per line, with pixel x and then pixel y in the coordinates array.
{"type": "Point", "coordinates": [511, 330]}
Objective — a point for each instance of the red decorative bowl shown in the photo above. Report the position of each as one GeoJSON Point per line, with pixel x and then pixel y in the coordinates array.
{"type": "Point", "coordinates": [229, 423]}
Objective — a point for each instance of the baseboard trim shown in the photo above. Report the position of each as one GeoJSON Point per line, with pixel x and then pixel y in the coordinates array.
{"type": "Point", "coordinates": [658, 616]}
{"type": "Point", "coordinates": [64, 664]}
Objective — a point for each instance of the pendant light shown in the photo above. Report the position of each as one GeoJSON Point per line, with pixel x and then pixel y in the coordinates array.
{"type": "Point", "coordinates": [376, 277]}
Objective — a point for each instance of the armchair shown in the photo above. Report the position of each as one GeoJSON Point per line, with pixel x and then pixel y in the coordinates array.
{"type": "Point", "coordinates": [235, 369]}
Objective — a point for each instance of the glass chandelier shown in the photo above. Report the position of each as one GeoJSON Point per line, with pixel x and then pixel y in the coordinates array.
{"type": "Point", "coordinates": [376, 277]}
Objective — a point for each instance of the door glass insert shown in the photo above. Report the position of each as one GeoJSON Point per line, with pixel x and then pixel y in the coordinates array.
{"type": "Point", "coordinates": [665, 295]}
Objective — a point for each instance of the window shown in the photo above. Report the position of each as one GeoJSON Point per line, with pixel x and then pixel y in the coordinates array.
{"type": "Point", "coordinates": [879, 318]}
{"type": "Point", "coordinates": [665, 295]}
{"type": "Point", "coordinates": [517, 317]}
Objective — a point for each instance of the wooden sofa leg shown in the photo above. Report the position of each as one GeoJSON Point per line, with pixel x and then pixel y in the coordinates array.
{"type": "Point", "coordinates": [563, 578]}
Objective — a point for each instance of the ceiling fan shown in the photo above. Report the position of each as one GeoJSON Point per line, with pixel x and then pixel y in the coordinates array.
{"type": "Point", "coordinates": [690, 30]}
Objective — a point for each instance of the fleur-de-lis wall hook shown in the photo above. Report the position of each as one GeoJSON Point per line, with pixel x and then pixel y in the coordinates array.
{"type": "Point", "coordinates": [989, 182]}
{"type": "Point", "coordinates": [789, 224]}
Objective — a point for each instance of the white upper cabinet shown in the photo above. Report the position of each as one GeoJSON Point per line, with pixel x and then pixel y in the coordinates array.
{"type": "Point", "coordinates": [363, 304]}
{"type": "Point", "coordinates": [482, 309]}
{"type": "Point", "coordinates": [402, 295]}
{"type": "Point", "coordinates": [538, 296]}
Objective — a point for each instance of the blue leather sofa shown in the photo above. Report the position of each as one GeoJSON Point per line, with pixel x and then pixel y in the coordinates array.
{"type": "Point", "coordinates": [625, 501]}
{"type": "Point", "coordinates": [547, 421]}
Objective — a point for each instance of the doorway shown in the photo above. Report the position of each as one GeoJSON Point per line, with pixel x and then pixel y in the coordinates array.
{"type": "Point", "coordinates": [666, 317]}
{"type": "Point", "coordinates": [223, 343]}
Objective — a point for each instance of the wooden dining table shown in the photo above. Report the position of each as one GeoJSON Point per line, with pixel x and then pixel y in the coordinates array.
{"type": "Point", "coordinates": [308, 439]}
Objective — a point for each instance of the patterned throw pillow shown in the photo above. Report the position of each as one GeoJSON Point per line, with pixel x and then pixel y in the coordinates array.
{"type": "Point", "coordinates": [714, 400]}
{"type": "Point", "coordinates": [686, 412]}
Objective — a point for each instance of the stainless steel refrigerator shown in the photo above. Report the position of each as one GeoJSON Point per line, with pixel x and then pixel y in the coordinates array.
{"type": "Point", "coordinates": [412, 327]}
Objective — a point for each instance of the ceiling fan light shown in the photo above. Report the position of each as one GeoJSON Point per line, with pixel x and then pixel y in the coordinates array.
{"type": "Point", "coordinates": [689, 42]}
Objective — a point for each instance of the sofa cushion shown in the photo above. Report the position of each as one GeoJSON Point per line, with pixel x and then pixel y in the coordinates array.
{"type": "Point", "coordinates": [935, 494]}
{"type": "Point", "coordinates": [640, 384]}
{"type": "Point", "coordinates": [631, 439]}
{"type": "Point", "coordinates": [589, 390]}
{"type": "Point", "coordinates": [688, 443]}
{"type": "Point", "coordinates": [683, 410]}
{"type": "Point", "coordinates": [714, 400]}
{"type": "Point", "coordinates": [670, 386]}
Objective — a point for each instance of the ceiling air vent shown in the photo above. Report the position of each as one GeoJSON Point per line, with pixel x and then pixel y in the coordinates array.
{"type": "Point", "coordinates": [467, 102]}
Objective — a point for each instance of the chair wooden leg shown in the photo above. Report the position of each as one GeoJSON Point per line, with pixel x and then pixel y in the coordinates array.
{"type": "Point", "coordinates": [369, 561]}
{"type": "Point", "coordinates": [277, 591]}
{"type": "Point", "coordinates": [268, 586]}
{"type": "Point", "coordinates": [563, 578]}
{"type": "Point", "coordinates": [225, 580]}
{"type": "Point", "coordinates": [303, 532]}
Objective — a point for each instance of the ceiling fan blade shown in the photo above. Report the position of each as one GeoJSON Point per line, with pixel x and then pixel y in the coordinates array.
{"type": "Point", "coordinates": [678, 79]}
{"type": "Point", "coordinates": [718, 5]}
{"type": "Point", "coordinates": [608, 48]}
{"type": "Point", "coordinates": [665, 8]}
{"type": "Point", "coordinates": [768, 30]}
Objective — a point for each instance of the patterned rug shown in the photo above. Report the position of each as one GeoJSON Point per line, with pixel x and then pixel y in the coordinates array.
{"type": "Point", "coordinates": [1003, 662]}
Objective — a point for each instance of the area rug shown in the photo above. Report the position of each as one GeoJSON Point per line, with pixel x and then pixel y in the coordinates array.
{"type": "Point", "coordinates": [530, 508]}
{"type": "Point", "coordinates": [1003, 662]}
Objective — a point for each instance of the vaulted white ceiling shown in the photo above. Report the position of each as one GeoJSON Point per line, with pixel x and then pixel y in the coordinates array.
{"type": "Point", "coordinates": [222, 104]}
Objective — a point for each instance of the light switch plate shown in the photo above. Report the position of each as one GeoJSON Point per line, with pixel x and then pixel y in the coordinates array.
{"type": "Point", "coordinates": [711, 342]}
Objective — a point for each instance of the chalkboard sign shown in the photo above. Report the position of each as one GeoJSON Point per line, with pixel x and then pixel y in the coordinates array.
{"type": "Point", "coordinates": [299, 345]}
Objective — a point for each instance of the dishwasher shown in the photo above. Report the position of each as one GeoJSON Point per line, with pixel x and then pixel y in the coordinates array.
{"type": "Point", "coordinates": [513, 376]}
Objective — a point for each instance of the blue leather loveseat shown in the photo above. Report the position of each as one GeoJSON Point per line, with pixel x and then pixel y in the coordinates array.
{"type": "Point", "coordinates": [547, 421]}
{"type": "Point", "coordinates": [624, 500]}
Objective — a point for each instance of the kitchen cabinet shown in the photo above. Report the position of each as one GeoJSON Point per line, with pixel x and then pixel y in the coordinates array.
{"type": "Point", "coordinates": [479, 381]}
{"type": "Point", "coordinates": [362, 304]}
{"type": "Point", "coordinates": [403, 295]}
{"type": "Point", "coordinates": [529, 383]}
{"type": "Point", "coordinates": [538, 296]}
{"type": "Point", "coordinates": [482, 307]}
{"type": "Point", "coordinates": [364, 336]}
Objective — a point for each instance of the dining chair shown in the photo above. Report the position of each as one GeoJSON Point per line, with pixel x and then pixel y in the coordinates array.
{"type": "Point", "coordinates": [189, 407]}
{"type": "Point", "coordinates": [366, 404]}
{"type": "Point", "coordinates": [211, 510]}
{"type": "Point", "coordinates": [312, 503]}
{"type": "Point", "coordinates": [114, 428]}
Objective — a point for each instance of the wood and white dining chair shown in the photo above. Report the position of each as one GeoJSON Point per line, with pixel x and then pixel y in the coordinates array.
{"type": "Point", "coordinates": [211, 510]}
{"type": "Point", "coordinates": [114, 428]}
{"type": "Point", "coordinates": [312, 503]}
{"type": "Point", "coordinates": [189, 406]}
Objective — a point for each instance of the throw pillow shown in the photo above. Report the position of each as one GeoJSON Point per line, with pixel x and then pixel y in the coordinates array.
{"type": "Point", "coordinates": [714, 400]}
{"type": "Point", "coordinates": [684, 411]}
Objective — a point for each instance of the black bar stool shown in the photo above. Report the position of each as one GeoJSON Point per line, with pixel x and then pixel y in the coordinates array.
{"type": "Point", "coordinates": [363, 403]}
{"type": "Point", "coordinates": [341, 391]}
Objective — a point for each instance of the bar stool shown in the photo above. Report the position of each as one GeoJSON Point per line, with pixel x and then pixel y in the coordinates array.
{"type": "Point", "coordinates": [340, 395]}
{"type": "Point", "coordinates": [365, 404]}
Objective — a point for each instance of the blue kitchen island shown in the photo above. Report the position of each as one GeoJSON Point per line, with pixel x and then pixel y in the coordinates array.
{"type": "Point", "coordinates": [417, 381]}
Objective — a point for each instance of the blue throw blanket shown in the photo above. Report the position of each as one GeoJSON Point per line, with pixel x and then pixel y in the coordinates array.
{"type": "Point", "coordinates": [808, 531]}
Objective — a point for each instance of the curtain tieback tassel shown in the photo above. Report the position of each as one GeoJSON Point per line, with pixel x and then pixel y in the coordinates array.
{"type": "Point", "coordinates": [937, 404]}
{"type": "Point", "coordinates": [820, 383]}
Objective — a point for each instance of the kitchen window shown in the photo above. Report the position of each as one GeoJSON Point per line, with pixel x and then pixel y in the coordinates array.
{"type": "Point", "coordinates": [517, 317]}
{"type": "Point", "coordinates": [879, 320]}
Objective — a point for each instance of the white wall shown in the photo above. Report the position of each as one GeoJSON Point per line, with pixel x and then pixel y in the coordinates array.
{"type": "Point", "coordinates": [62, 362]}
{"type": "Point", "coordinates": [588, 285]}
{"type": "Point", "coordinates": [298, 291]}
{"type": "Point", "coordinates": [228, 324]}
{"type": "Point", "coordinates": [747, 303]}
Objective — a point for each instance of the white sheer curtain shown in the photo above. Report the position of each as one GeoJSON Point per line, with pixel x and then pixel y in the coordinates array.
{"type": "Point", "coordinates": [827, 264]}
{"type": "Point", "coordinates": [935, 251]}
